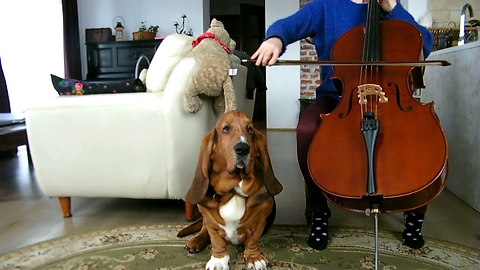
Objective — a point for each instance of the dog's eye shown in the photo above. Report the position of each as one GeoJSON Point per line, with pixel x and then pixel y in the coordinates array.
{"type": "Point", "coordinates": [226, 129]}
{"type": "Point", "coordinates": [250, 129]}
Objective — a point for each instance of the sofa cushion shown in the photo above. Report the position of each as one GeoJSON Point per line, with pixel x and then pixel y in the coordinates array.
{"type": "Point", "coordinates": [172, 49]}
{"type": "Point", "coordinates": [65, 86]}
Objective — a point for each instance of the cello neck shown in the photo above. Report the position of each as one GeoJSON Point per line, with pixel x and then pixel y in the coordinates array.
{"type": "Point", "coordinates": [371, 46]}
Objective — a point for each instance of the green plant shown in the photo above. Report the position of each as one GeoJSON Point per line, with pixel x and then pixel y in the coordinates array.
{"type": "Point", "coordinates": [151, 28]}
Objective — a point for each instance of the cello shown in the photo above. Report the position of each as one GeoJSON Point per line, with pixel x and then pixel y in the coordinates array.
{"type": "Point", "coordinates": [380, 150]}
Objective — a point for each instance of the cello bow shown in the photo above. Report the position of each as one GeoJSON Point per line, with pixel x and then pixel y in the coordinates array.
{"type": "Point", "coordinates": [356, 63]}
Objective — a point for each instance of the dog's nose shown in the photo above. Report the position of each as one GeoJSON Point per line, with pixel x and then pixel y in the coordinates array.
{"type": "Point", "coordinates": [241, 148]}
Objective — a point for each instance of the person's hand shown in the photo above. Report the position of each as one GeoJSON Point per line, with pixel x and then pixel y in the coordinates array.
{"type": "Point", "coordinates": [268, 52]}
{"type": "Point", "coordinates": [387, 5]}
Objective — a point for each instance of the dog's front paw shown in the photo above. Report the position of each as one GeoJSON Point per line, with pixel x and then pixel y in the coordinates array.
{"type": "Point", "coordinates": [197, 243]}
{"type": "Point", "coordinates": [257, 263]}
{"type": "Point", "coordinates": [218, 263]}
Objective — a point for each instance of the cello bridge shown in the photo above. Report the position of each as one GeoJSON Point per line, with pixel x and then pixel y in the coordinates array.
{"type": "Point", "coordinates": [369, 89]}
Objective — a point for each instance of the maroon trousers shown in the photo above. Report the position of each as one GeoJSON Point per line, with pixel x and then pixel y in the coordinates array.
{"type": "Point", "coordinates": [307, 126]}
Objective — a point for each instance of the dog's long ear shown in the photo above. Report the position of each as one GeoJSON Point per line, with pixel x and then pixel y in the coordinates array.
{"type": "Point", "coordinates": [274, 187]}
{"type": "Point", "coordinates": [201, 181]}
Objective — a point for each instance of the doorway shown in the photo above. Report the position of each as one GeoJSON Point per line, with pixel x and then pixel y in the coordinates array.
{"type": "Point", "coordinates": [245, 22]}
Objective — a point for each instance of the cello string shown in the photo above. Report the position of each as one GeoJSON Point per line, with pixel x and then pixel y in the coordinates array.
{"type": "Point", "coordinates": [371, 47]}
{"type": "Point", "coordinates": [377, 51]}
{"type": "Point", "coordinates": [369, 52]}
{"type": "Point", "coordinates": [362, 68]}
{"type": "Point", "coordinates": [360, 83]}
{"type": "Point", "coordinates": [364, 71]}
{"type": "Point", "coordinates": [375, 47]}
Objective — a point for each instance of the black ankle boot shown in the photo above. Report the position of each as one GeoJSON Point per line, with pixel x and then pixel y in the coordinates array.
{"type": "Point", "coordinates": [318, 238]}
{"type": "Point", "coordinates": [412, 235]}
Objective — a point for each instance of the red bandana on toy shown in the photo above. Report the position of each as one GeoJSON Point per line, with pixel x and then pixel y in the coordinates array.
{"type": "Point", "coordinates": [210, 35]}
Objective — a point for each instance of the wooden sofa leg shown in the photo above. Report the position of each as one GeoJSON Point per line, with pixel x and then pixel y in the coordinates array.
{"type": "Point", "coordinates": [65, 204]}
{"type": "Point", "coordinates": [190, 210]}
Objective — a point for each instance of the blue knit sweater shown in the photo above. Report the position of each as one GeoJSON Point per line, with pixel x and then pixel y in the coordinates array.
{"type": "Point", "coordinates": [325, 21]}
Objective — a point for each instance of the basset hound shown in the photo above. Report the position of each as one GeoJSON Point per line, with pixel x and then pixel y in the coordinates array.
{"type": "Point", "coordinates": [234, 188]}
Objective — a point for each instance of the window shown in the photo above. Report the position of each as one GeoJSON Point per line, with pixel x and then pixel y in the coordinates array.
{"type": "Point", "coordinates": [31, 48]}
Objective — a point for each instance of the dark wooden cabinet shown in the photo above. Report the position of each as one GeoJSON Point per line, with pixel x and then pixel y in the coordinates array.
{"type": "Point", "coordinates": [116, 60]}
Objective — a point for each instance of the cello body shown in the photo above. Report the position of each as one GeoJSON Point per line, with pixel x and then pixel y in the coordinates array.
{"type": "Point", "coordinates": [402, 164]}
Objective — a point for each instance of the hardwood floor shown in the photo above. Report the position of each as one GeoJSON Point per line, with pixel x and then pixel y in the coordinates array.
{"type": "Point", "coordinates": [28, 217]}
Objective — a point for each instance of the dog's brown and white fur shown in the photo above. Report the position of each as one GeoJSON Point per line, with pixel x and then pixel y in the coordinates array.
{"type": "Point", "coordinates": [233, 186]}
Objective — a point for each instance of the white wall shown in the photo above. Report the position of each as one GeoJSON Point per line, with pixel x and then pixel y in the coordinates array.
{"type": "Point", "coordinates": [416, 7]}
{"type": "Point", "coordinates": [283, 82]}
{"type": "Point", "coordinates": [101, 13]}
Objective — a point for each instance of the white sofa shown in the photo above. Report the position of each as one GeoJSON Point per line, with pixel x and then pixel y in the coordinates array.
{"type": "Point", "coordinates": [134, 145]}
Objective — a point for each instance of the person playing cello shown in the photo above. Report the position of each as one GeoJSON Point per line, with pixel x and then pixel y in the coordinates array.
{"type": "Point", "coordinates": [324, 21]}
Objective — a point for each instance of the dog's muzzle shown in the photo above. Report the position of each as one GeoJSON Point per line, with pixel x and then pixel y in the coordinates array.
{"type": "Point", "coordinates": [241, 150]}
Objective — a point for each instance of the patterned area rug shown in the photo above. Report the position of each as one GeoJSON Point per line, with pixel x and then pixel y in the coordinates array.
{"type": "Point", "coordinates": [157, 247]}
